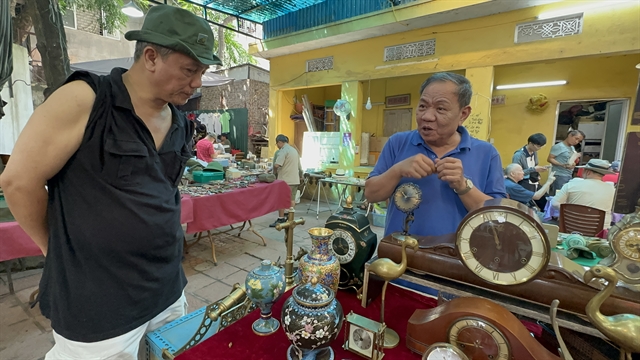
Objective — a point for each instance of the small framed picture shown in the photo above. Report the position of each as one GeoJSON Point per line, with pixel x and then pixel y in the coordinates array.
{"type": "Point", "coordinates": [364, 336]}
{"type": "Point", "coordinates": [398, 100]}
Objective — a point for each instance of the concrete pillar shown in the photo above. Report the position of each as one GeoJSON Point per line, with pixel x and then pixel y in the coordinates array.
{"type": "Point", "coordinates": [352, 92]}
{"type": "Point", "coordinates": [478, 122]}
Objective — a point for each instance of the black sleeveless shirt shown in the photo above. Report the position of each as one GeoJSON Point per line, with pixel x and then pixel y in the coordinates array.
{"type": "Point", "coordinates": [115, 240]}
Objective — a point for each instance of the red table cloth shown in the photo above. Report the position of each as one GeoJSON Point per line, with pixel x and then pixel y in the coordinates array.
{"type": "Point", "coordinates": [15, 243]}
{"type": "Point", "coordinates": [214, 211]}
{"type": "Point", "coordinates": [238, 341]}
{"type": "Point", "coordinates": [186, 209]}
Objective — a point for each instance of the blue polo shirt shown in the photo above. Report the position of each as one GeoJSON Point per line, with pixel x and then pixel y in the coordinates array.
{"type": "Point", "coordinates": [517, 192]}
{"type": "Point", "coordinates": [441, 209]}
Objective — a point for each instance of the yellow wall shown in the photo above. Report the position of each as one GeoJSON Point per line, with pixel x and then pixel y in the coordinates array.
{"type": "Point", "coordinates": [486, 41]}
{"type": "Point", "coordinates": [588, 78]}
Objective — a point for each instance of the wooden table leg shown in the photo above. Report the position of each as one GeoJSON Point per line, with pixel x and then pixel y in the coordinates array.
{"type": "Point", "coordinates": [213, 248]}
{"type": "Point", "coordinates": [253, 230]}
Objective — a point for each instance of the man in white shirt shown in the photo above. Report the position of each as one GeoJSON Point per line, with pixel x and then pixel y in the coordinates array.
{"type": "Point", "coordinates": [287, 165]}
{"type": "Point", "coordinates": [590, 191]}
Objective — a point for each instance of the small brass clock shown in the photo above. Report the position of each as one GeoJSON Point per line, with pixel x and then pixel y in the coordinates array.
{"type": "Point", "coordinates": [407, 197]}
{"type": "Point", "coordinates": [364, 336]}
{"type": "Point", "coordinates": [624, 238]}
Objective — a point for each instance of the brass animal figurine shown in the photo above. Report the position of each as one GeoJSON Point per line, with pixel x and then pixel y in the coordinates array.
{"type": "Point", "coordinates": [564, 352]}
{"type": "Point", "coordinates": [389, 270]}
{"type": "Point", "coordinates": [622, 329]}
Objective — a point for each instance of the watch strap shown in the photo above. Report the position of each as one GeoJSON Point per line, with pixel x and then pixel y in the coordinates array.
{"type": "Point", "coordinates": [465, 190]}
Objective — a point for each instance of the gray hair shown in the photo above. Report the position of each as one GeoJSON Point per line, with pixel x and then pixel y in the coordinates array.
{"type": "Point", "coordinates": [282, 138]}
{"type": "Point", "coordinates": [464, 90]}
{"type": "Point", "coordinates": [141, 45]}
{"type": "Point", "coordinates": [210, 134]}
{"type": "Point", "coordinates": [510, 168]}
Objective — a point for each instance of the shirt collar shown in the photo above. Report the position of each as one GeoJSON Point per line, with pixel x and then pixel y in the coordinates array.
{"type": "Point", "coordinates": [121, 97]}
{"type": "Point", "coordinates": [465, 139]}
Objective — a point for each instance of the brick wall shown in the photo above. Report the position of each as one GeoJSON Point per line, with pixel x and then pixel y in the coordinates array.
{"type": "Point", "coordinates": [88, 22]}
{"type": "Point", "coordinates": [250, 94]}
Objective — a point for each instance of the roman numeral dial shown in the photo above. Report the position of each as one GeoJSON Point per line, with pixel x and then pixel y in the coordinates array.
{"type": "Point", "coordinates": [504, 244]}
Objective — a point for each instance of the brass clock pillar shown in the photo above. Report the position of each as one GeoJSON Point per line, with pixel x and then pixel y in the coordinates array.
{"type": "Point", "coordinates": [289, 225]}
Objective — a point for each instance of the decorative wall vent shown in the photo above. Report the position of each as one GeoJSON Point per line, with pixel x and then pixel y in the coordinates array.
{"type": "Point", "coordinates": [321, 64]}
{"type": "Point", "coordinates": [548, 28]}
{"type": "Point", "coordinates": [410, 50]}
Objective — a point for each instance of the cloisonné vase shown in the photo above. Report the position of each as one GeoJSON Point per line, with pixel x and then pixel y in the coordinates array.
{"type": "Point", "coordinates": [319, 262]}
{"type": "Point", "coordinates": [265, 284]}
{"type": "Point", "coordinates": [311, 319]}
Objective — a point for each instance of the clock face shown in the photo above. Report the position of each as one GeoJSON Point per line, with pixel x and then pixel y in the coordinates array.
{"type": "Point", "coordinates": [627, 244]}
{"type": "Point", "coordinates": [502, 246]}
{"type": "Point", "coordinates": [361, 340]}
{"type": "Point", "coordinates": [443, 351]}
{"type": "Point", "coordinates": [343, 246]}
{"type": "Point", "coordinates": [479, 339]}
{"type": "Point", "coordinates": [407, 197]}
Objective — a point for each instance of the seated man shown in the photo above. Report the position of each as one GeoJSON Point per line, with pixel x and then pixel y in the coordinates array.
{"type": "Point", "coordinates": [455, 172]}
{"type": "Point", "coordinates": [517, 192]}
{"type": "Point", "coordinates": [591, 191]}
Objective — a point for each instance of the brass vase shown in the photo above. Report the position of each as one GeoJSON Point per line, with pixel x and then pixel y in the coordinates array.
{"type": "Point", "coordinates": [319, 262]}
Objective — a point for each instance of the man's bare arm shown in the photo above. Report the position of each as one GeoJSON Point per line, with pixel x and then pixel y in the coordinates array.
{"type": "Point", "coordinates": [52, 135]}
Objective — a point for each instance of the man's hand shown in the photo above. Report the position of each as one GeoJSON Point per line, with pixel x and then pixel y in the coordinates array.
{"type": "Point", "coordinates": [541, 169]}
{"type": "Point", "coordinates": [416, 167]}
{"type": "Point", "coordinates": [450, 170]}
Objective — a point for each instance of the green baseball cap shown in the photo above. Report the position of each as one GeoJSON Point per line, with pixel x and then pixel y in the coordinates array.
{"type": "Point", "coordinates": [177, 29]}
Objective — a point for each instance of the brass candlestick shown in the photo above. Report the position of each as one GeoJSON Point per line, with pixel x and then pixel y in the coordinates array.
{"type": "Point", "coordinates": [289, 225]}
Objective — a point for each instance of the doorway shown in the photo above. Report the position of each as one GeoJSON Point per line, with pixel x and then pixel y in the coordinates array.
{"type": "Point", "coordinates": [603, 121]}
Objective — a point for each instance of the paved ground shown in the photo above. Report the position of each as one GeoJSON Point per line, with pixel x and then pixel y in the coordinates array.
{"type": "Point", "coordinates": [26, 335]}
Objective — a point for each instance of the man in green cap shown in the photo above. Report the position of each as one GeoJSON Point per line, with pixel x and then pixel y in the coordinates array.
{"type": "Point", "coordinates": [112, 150]}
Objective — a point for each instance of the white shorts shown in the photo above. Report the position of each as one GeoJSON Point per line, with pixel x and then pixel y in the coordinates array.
{"type": "Point", "coordinates": [123, 347]}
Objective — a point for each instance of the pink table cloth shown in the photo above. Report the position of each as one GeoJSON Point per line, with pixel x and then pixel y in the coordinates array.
{"type": "Point", "coordinates": [15, 243]}
{"type": "Point", "coordinates": [214, 211]}
{"type": "Point", "coordinates": [186, 209]}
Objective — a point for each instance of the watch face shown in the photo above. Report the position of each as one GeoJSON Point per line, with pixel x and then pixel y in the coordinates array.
{"type": "Point", "coordinates": [407, 197]}
{"type": "Point", "coordinates": [479, 339]}
{"type": "Point", "coordinates": [361, 340]}
{"type": "Point", "coordinates": [343, 245]}
{"type": "Point", "coordinates": [502, 246]}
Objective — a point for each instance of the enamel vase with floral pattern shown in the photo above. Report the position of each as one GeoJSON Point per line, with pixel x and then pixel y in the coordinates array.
{"type": "Point", "coordinates": [265, 285]}
{"type": "Point", "coordinates": [320, 262]}
{"type": "Point", "coordinates": [311, 319]}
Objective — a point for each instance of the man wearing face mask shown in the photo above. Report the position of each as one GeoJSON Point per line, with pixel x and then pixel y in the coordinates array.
{"type": "Point", "coordinates": [112, 272]}
{"type": "Point", "coordinates": [455, 172]}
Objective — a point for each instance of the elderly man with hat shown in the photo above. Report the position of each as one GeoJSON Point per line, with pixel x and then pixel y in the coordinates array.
{"type": "Point", "coordinates": [112, 150]}
{"type": "Point", "coordinates": [590, 191]}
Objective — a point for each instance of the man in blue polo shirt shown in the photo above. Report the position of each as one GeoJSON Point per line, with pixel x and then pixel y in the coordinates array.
{"type": "Point", "coordinates": [455, 172]}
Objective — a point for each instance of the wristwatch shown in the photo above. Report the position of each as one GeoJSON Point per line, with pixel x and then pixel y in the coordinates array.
{"type": "Point", "coordinates": [465, 190]}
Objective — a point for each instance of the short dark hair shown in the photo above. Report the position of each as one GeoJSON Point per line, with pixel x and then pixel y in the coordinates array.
{"type": "Point", "coordinates": [464, 90]}
{"type": "Point", "coordinates": [282, 138]}
{"type": "Point", "coordinates": [576, 132]}
{"type": "Point", "coordinates": [538, 139]}
{"type": "Point", "coordinates": [141, 45]}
